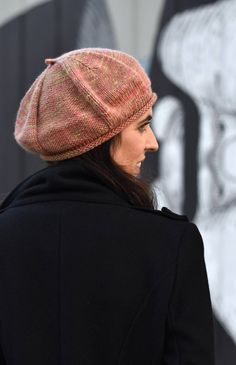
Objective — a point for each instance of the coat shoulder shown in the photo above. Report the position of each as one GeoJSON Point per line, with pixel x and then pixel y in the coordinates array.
{"type": "Point", "coordinates": [165, 214]}
{"type": "Point", "coordinates": [171, 215]}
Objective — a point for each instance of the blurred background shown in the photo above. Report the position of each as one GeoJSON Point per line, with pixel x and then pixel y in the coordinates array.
{"type": "Point", "coordinates": [188, 47]}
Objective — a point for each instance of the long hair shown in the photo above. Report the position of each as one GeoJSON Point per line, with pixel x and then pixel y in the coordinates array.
{"type": "Point", "coordinates": [137, 191]}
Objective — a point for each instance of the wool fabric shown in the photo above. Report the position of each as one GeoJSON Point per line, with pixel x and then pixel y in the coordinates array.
{"type": "Point", "coordinates": [82, 99]}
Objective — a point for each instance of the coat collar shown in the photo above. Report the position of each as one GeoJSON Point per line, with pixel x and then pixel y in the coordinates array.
{"type": "Point", "coordinates": [69, 180]}
{"type": "Point", "coordinates": [65, 181]}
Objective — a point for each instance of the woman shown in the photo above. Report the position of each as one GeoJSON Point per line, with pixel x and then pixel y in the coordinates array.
{"type": "Point", "coordinates": [90, 272]}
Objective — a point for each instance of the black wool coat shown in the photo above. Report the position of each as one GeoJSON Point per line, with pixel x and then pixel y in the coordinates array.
{"type": "Point", "coordinates": [88, 279]}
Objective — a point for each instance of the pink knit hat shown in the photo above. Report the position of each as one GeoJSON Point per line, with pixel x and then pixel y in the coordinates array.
{"type": "Point", "coordinates": [82, 99]}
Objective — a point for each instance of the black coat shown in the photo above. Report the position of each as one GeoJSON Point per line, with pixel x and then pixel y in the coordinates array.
{"type": "Point", "coordinates": [86, 278]}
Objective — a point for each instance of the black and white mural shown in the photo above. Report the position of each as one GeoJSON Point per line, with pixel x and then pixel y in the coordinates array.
{"type": "Point", "coordinates": [194, 72]}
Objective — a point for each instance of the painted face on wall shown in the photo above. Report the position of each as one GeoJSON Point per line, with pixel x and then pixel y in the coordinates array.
{"type": "Point", "coordinates": [135, 140]}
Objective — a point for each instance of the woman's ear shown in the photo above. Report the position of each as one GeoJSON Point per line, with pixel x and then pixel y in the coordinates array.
{"type": "Point", "coordinates": [115, 143]}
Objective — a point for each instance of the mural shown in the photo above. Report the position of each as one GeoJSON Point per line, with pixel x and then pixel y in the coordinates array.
{"type": "Point", "coordinates": [195, 50]}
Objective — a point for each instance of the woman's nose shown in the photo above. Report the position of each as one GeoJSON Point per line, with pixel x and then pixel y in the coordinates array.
{"type": "Point", "coordinates": [152, 144]}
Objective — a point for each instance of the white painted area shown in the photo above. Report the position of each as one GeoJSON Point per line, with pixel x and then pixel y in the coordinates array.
{"type": "Point", "coordinates": [206, 72]}
{"type": "Point", "coordinates": [168, 125]}
{"type": "Point", "coordinates": [198, 51]}
{"type": "Point", "coordinates": [9, 9]}
{"type": "Point", "coordinates": [135, 23]}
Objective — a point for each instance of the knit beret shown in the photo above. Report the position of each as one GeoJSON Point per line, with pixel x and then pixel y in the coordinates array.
{"type": "Point", "coordinates": [82, 99]}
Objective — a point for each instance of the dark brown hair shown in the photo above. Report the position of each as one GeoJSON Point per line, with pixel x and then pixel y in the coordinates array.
{"type": "Point", "coordinates": [137, 191]}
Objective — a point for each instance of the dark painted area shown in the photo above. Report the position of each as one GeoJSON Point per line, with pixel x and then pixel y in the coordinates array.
{"type": "Point", "coordinates": [10, 154]}
{"type": "Point", "coordinates": [45, 31]}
